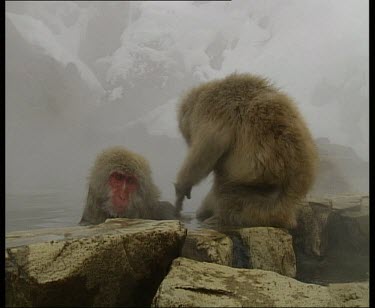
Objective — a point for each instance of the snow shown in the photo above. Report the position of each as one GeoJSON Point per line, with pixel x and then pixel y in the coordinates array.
{"type": "Point", "coordinates": [38, 34]}
{"type": "Point", "coordinates": [297, 44]}
{"type": "Point", "coordinates": [116, 94]}
{"type": "Point", "coordinates": [294, 43]}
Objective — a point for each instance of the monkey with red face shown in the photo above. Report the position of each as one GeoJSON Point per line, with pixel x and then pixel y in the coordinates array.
{"type": "Point", "coordinates": [120, 185]}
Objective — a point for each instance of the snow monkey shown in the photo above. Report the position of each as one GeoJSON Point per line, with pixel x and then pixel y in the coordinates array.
{"type": "Point", "coordinates": [253, 138]}
{"type": "Point", "coordinates": [120, 185]}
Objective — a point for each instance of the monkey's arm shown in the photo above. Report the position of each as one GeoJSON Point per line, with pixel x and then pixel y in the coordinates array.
{"type": "Point", "coordinates": [208, 145]}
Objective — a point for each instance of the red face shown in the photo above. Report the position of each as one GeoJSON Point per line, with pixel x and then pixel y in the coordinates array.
{"type": "Point", "coordinates": [121, 185]}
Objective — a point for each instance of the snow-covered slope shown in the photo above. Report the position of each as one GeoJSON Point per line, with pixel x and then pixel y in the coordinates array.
{"type": "Point", "coordinates": [145, 54]}
{"type": "Point", "coordinates": [37, 33]}
{"type": "Point", "coordinates": [297, 44]}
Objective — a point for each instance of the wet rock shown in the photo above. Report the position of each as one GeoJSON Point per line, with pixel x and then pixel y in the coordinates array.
{"type": "Point", "coordinates": [191, 284]}
{"type": "Point", "coordinates": [349, 224]}
{"type": "Point", "coordinates": [337, 248]}
{"type": "Point", "coordinates": [333, 220]}
{"type": "Point", "coordinates": [347, 202]}
{"type": "Point", "coordinates": [363, 216]}
{"type": "Point", "coordinates": [310, 235]}
{"type": "Point", "coordinates": [208, 246]}
{"type": "Point", "coordinates": [269, 249]}
{"type": "Point", "coordinates": [120, 262]}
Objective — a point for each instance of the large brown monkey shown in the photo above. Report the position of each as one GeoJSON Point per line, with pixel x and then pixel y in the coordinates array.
{"type": "Point", "coordinates": [253, 138]}
{"type": "Point", "coordinates": [120, 185]}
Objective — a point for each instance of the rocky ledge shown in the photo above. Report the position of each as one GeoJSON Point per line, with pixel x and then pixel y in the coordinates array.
{"type": "Point", "coordinates": [125, 262]}
{"type": "Point", "coordinates": [192, 283]}
{"type": "Point", "coordinates": [118, 263]}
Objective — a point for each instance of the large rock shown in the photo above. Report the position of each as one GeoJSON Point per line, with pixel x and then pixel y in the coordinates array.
{"type": "Point", "coordinates": [311, 235]}
{"type": "Point", "coordinates": [332, 239]}
{"type": "Point", "coordinates": [334, 219]}
{"type": "Point", "coordinates": [258, 248]}
{"type": "Point", "coordinates": [349, 224]}
{"type": "Point", "coordinates": [269, 249]}
{"type": "Point", "coordinates": [208, 246]}
{"type": "Point", "coordinates": [362, 217]}
{"type": "Point", "coordinates": [191, 284]}
{"type": "Point", "coordinates": [346, 202]}
{"type": "Point", "coordinates": [120, 262]}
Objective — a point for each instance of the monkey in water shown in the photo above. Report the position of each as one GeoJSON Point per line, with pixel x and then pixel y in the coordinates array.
{"type": "Point", "coordinates": [253, 138]}
{"type": "Point", "coordinates": [120, 185]}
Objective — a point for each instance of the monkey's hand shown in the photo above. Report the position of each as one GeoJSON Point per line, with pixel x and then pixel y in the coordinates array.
{"type": "Point", "coordinates": [181, 193]}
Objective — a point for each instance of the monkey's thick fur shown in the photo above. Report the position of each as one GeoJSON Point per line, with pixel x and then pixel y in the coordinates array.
{"type": "Point", "coordinates": [144, 203]}
{"type": "Point", "coordinates": [254, 139]}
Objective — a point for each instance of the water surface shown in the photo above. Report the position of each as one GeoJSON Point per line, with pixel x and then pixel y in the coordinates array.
{"type": "Point", "coordinates": [42, 210]}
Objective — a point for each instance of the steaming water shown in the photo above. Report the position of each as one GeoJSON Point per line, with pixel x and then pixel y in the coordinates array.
{"type": "Point", "coordinates": [54, 209]}
{"type": "Point", "coordinates": [42, 210]}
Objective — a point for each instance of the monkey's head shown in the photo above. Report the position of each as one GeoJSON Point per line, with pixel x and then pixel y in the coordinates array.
{"type": "Point", "coordinates": [119, 179]}
{"type": "Point", "coordinates": [122, 186]}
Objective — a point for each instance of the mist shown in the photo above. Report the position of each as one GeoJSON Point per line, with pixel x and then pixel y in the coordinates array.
{"type": "Point", "coordinates": [82, 76]}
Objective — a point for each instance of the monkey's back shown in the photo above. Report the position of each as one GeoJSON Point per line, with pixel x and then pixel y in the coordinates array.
{"type": "Point", "coordinates": [271, 142]}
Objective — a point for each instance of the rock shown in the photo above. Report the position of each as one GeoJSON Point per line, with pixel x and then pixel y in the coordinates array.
{"type": "Point", "coordinates": [209, 246]}
{"type": "Point", "coordinates": [310, 235]}
{"type": "Point", "coordinates": [351, 294]}
{"type": "Point", "coordinates": [190, 283]}
{"type": "Point", "coordinates": [320, 220]}
{"type": "Point", "coordinates": [337, 266]}
{"type": "Point", "coordinates": [364, 212]}
{"type": "Point", "coordinates": [347, 202]}
{"type": "Point", "coordinates": [332, 242]}
{"type": "Point", "coordinates": [269, 249]}
{"type": "Point", "coordinates": [349, 224]}
{"type": "Point", "coordinates": [119, 262]}
{"type": "Point", "coordinates": [365, 202]}
{"type": "Point", "coordinates": [319, 201]}
{"type": "Point", "coordinates": [359, 214]}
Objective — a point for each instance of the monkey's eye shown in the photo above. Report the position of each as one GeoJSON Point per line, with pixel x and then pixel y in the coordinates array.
{"type": "Point", "coordinates": [118, 176]}
{"type": "Point", "coordinates": [131, 180]}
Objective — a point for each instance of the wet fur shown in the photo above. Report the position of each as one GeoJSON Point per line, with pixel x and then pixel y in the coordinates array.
{"type": "Point", "coordinates": [252, 136]}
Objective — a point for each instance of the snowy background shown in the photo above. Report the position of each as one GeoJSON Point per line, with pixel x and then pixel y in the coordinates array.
{"type": "Point", "coordinates": [82, 76]}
